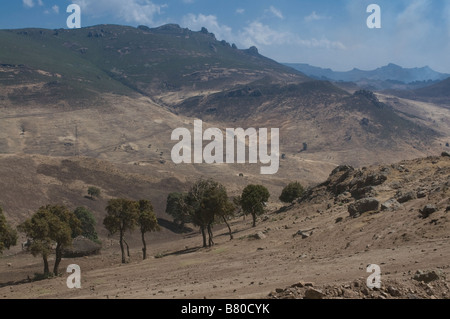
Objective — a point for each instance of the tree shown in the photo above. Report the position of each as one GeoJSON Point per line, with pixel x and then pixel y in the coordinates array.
{"type": "Point", "coordinates": [147, 222]}
{"type": "Point", "coordinates": [87, 223]}
{"type": "Point", "coordinates": [201, 215]}
{"type": "Point", "coordinates": [176, 207]}
{"type": "Point", "coordinates": [253, 200]}
{"type": "Point", "coordinates": [291, 192]}
{"type": "Point", "coordinates": [216, 199]}
{"type": "Point", "coordinates": [121, 216]}
{"type": "Point", "coordinates": [206, 203]}
{"type": "Point", "coordinates": [51, 224]}
{"type": "Point", "coordinates": [94, 192]}
{"type": "Point", "coordinates": [8, 236]}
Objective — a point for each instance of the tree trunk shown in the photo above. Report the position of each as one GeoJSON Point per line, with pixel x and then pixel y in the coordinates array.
{"type": "Point", "coordinates": [229, 228]}
{"type": "Point", "coordinates": [46, 269]}
{"type": "Point", "coordinates": [204, 235]}
{"type": "Point", "coordinates": [144, 248]}
{"type": "Point", "coordinates": [58, 258]}
{"type": "Point", "coordinates": [210, 235]}
{"type": "Point", "coordinates": [128, 248]}
{"type": "Point", "coordinates": [121, 247]}
{"type": "Point", "coordinates": [254, 219]}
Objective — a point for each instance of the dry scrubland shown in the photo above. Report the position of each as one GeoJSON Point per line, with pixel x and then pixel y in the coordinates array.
{"type": "Point", "coordinates": [311, 248]}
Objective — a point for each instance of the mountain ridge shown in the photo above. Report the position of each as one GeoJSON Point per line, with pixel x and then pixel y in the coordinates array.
{"type": "Point", "coordinates": [390, 72]}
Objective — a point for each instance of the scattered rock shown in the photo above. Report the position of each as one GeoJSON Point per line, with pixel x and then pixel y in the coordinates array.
{"type": "Point", "coordinates": [279, 290]}
{"type": "Point", "coordinates": [421, 194]}
{"type": "Point", "coordinates": [405, 197]}
{"type": "Point", "coordinates": [391, 204]}
{"type": "Point", "coordinates": [445, 154]}
{"type": "Point", "coordinates": [258, 235]}
{"type": "Point", "coordinates": [394, 292]}
{"type": "Point", "coordinates": [428, 210]}
{"type": "Point", "coordinates": [428, 276]}
{"type": "Point", "coordinates": [362, 206]}
{"type": "Point", "coordinates": [312, 293]}
{"type": "Point", "coordinates": [303, 233]}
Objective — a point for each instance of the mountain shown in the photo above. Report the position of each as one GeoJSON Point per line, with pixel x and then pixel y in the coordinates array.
{"type": "Point", "coordinates": [390, 72]}
{"type": "Point", "coordinates": [437, 93]}
{"type": "Point", "coordinates": [124, 60]}
{"type": "Point", "coordinates": [388, 76]}
{"type": "Point", "coordinates": [116, 93]}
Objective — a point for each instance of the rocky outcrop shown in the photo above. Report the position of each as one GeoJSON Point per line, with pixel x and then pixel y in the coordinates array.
{"type": "Point", "coordinates": [363, 205]}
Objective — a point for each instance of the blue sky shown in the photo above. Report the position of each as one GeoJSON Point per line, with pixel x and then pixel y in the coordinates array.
{"type": "Point", "coordinates": [326, 33]}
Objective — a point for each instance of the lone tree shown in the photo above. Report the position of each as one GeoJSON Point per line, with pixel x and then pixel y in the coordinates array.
{"type": "Point", "coordinates": [291, 192]}
{"type": "Point", "coordinates": [8, 236]}
{"type": "Point", "coordinates": [94, 192]}
{"type": "Point", "coordinates": [51, 224]}
{"type": "Point", "coordinates": [121, 216]}
{"type": "Point", "coordinates": [147, 222]}
{"type": "Point", "coordinates": [253, 200]}
{"type": "Point", "coordinates": [87, 223]}
{"type": "Point", "coordinates": [176, 207]}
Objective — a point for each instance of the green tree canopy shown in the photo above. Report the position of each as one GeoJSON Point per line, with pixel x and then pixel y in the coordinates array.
{"type": "Point", "coordinates": [88, 222]}
{"type": "Point", "coordinates": [291, 192]}
{"type": "Point", "coordinates": [147, 222]}
{"type": "Point", "coordinates": [51, 224]}
{"type": "Point", "coordinates": [176, 207]}
{"type": "Point", "coordinates": [94, 192]}
{"type": "Point", "coordinates": [206, 202]}
{"type": "Point", "coordinates": [8, 236]}
{"type": "Point", "coordinates": [253, 200]}
{"type": "Point", "coordinates": [121, 216]}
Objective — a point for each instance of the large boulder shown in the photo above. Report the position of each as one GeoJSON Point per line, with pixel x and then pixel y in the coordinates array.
{"type": "Point", "coordinates": [405, 197]}
{"type": "Point", "coordinates": [82, 246]}
{"type": "Point", "coordinates": [312, 293]}
{"type": "Point", "coordinates": [428, 210]}
{"type": "Point", "coordinates": [391, 204]}
{"type": "Point", "coordinates": [363, 205]}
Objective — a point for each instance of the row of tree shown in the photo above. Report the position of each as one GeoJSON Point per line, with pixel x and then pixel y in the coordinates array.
{"type": "Point", "coordinates": [207, 203]}
{"type": "Point", "coordinates": [53, 227]}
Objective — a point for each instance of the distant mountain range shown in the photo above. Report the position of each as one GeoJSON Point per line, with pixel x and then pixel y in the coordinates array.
{"type": "Point", "coordinates": [392, 73]}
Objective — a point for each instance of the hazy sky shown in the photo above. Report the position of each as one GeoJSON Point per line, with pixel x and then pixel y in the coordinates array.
{"type": "Point", "coordinates": [326, 33]}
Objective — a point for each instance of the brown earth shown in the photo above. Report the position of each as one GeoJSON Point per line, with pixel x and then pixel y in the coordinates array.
{"type": "Point", "coordinates": [333, 254]}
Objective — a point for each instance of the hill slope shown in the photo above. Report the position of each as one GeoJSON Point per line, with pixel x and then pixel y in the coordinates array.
{"type": "Point", "coordinates": [314, 240]}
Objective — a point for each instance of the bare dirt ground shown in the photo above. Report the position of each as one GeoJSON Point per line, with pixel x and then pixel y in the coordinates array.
{"type": "Point", "coordinates": [333, 258]}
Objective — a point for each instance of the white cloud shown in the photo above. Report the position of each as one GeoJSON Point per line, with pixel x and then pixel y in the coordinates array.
{"type": "Point", "coordinates": [196, 22]}
{"type": "Point", "coordinates": [314, 17]}
{"type": "Point", "coordinates": [131, 11]}
{"type": "Point", "coordinates": [28, 3]}
{"type": "Point", "coordinates": [240, 11]}
{"type": "Point", "coordinates": [55, 9]}
{"type": "Point", "coordinates": [40, 3]}
{"type": "Point", "coordinates": [258, 34]}
{"type": "Point", "coordinates": [276, 12]}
